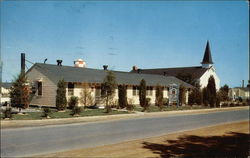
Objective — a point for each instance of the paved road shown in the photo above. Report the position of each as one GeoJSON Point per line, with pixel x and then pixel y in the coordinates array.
{"type": "Point", "coordinates": [40, 140]}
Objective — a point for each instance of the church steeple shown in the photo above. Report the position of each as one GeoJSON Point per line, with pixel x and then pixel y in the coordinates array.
{"type": "Point", "coordinates": [207, 59]}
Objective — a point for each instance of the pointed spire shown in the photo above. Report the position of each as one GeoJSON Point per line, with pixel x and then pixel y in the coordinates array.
{"type": "Point", "coordinates": [207, 59]}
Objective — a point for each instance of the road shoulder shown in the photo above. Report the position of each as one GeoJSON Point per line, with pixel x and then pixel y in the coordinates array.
{"type": "Point", "coordinates": [220, 140]}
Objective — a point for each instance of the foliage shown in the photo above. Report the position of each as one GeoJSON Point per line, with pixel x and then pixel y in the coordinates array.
{"type": "Point", "coordinates": [223, 93]}
{"type": "Point", "coordinates": [76, 110]}
{"type": "Point", "coordinates": [205, 96]}
{"type": "Point", "coordinates": [182, 94]}
{"type": "Point", "coordinates": [46, 112]}
{"type": "Point", "coordinates": [85, 96]}
{"type": "Point", "coordinates": [8, 112]}
{"type": "Point", "coordinates": [130, 106]}
{"type": "Point", "coordinates": [211, 91]}
{"type": "Point", "coordinates": [159, 96]}
{"type": "Point", "coordinates": [195, 96]}
{"type": "Point", "coordinates": [248, 85]}
{"type": "Point", "coordinates": [61, 101]}
{"type": "Point", "coordinates": [73, 101]}
{"type": "Point", "coordinates": [19, 92]}
{"type": "Point", "coordinates": [165, 101]}
{"type": "Point", "coordinates": [122, 94]}
{"type": "Point", "coordinates": [142, 93]}
{"type": "Point", "coordinates": [108, 87]}
{"type": "Point", "coordinates": [147, 104]}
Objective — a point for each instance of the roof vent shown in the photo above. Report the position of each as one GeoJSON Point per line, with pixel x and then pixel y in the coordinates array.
{"type": "Point", "coordinates": [138, 71]}
{"type": "Point", "coordinates": [59, 62]}
{"type": "Point", "coordinates": [105, 67]}
{"type": "Point", "coordinates": [80, 63]}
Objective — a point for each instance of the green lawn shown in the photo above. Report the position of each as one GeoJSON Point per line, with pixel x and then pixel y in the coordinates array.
{"type": "Point", "coordinates": [66, 114]}
{"type": "Point", "coordinates": [153, 108]}
{"type": "Point", "coordinates": [96, 112]}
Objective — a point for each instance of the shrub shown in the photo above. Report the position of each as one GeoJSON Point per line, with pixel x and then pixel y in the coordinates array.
{"type": "Point", "coordinates": [73, 101]}
{"type": "Point", "coordinates": [147, 104]}
{"type": "Point", "coordinates": [8, 113]}
{"type": "Point", "coordinates": [76, 110]}
{"type": "Point", "coordinates": [225, 105]}
{"type": "Point", "coordinates": [165, 101]}
{"type": "Point", "coordinates": [130, 105]}
{"type": "Point", "coordinates": [231, 104]}
{"type": "Point", "coordinates": [46, 112]}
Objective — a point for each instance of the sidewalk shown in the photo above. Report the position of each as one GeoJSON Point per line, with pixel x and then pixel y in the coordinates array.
{"type": "Point", "coordinates": [46, 122]}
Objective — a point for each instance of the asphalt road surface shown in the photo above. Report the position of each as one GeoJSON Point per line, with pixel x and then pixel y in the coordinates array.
{"type": "Point", "coordinates": [30, 141]}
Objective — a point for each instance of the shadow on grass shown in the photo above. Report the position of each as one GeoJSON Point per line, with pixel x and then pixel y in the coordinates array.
{"type": "Point", "coordinates": [230, 145]}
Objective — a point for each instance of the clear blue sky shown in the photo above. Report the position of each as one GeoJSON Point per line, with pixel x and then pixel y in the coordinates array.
{"type": "Point", "coordinates": [122, 34]}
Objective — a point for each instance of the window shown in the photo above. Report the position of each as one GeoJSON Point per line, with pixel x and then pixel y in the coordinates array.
{"type": "Point", "coordinates": [39, 88]}
{"type": "Point", "coordinates": [149, 91]}
{"type": "Point", "coordinates": [135, 90]}
{"type": "Point", "coordinates": [70, 88]}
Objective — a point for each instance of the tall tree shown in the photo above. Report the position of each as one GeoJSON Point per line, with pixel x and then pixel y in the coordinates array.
{"type": "Point", "coordinates": [223, 93]}
{"type": "Point", "coordinates": [61, 101]}
{"type": "Point", "coordinates": [205, 99]}
{"type": "Point", "coordinates": [19, 92]}
{"type": "Point", "coordinates": [159, 96]}
{"type": "Point", "coordinates": [108, 86]}
{"type": "Point", "coordinates": [211, 91]}
{"type": "Point", "coordinates": [122, 94]}
{"type": "Point", "coordinates": [142, 93]}
{"type": "Point", "coordinates": [182, 94]}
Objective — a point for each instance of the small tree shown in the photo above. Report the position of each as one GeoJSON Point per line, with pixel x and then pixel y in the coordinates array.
{"type": "Point", "coordinates": [147, 104]}
{"type": "Point", "coordinates": [109, 85]}
{"type": "Point", "coordinates": [19, 92]}
{"type": "Point", "coordinates": [73, 102]}
{"type": "Point", "coordinates": [182, 94]}
{"type": "Point", "coordinates": [8, 113]}
{"type": "Point", "coordinates": [86, 98]}
{"type": "Point", "coordinates": [142, 93]}
{"type": "Point", "coordinates": [46, 112]}
{"type": "Point", "coordinates": [159, 96]}
{"type": "Point", "coordinates": [211, 91]}
{"type": "Point", "coordinates": [76, 111]}
{"type": "Point", "coordinates": [122, 93]}
{"type": "Point", "coordinates": [61, 101]}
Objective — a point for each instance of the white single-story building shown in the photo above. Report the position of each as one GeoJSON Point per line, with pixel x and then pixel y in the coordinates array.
{"type": "Point", "coordinates": [44, 78]}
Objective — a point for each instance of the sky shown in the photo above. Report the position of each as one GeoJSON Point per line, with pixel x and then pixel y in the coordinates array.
{"type": "Point", "coordinates": [121, 34]}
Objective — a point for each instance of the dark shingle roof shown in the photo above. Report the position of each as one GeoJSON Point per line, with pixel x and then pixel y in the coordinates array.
{"type": "Point", "coordinates": [207, 59]}
{"type": "Point", "coordinates": [76, 74]}
{"type": "Point", "coordinates": [196, 71]}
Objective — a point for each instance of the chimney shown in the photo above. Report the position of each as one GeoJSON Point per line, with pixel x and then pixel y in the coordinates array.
{"type": "Point", "coordinates": [59, 62]}
{"type": "Point", "coordinates": [22, 62]}
{"type": "Point", "coordinates": [134, 68]}
{"type": "Point", "coordinates": [138, 71]}
{"type": "Point", "coordinates": [105, 67]}
{"type": "Point", "coordinates": [164, 73]}
{"type": "Point", "coordinates": [242, 83]}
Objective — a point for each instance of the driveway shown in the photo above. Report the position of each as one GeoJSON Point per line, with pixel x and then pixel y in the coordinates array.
{"type": "Point", "coordinates": [40, 140]}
